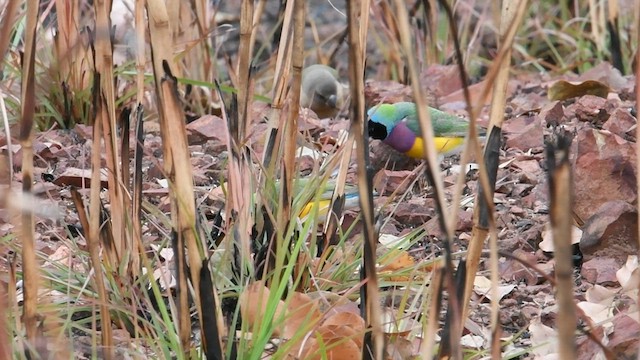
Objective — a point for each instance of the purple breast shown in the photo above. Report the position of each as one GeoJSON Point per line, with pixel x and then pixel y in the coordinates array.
{"type": "Point", "coordinates": [401, 138]}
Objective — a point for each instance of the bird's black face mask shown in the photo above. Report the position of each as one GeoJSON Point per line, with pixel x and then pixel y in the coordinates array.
{"type": "Point", "coordinates": [377, 130]}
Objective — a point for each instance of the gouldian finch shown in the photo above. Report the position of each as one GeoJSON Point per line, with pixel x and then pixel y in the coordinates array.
{"type": "Point", "coordinates": [321, 91]}
{"type": "Point", "coordinates": [311, 193]}
{"type": "Point", "coordinates": [323, 199]}
{"type": "Point", "coordinates": [397, 126]}
{"type": "Point", "coordinates": [351, 200]}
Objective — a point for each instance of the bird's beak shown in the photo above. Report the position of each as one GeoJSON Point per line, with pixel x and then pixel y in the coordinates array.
{"type": "Point", "coordinates": [332, 101]}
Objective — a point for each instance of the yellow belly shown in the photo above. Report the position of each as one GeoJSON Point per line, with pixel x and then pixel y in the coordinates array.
{"type": "Point", "coordinates": [444, 145]}
{"type": "Point", "coordinates": [323, 207]}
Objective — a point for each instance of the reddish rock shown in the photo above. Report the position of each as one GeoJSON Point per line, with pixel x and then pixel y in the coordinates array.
{"type": "Point", "coordinates": [464, 223]}
{"type": "Point", "coordinates": [388, 181]}
{"type": "Point", "coordinates": [601, 271]}
{"type": "Point", "coordinates": [604, 170]}
{"type": "Point", "coordinates": [376, 92]}
{"type": "Point", "coordinates": [207, 127]}
{"type": "Point", "coordinates": [441, 79]}
{"type": "Point", "coordinates": [612, 231]}
{"type": "Point", "coordinates": [591, 108]}
{"type": "Point", "coordinates": [552, 114]}
{"type": "Point", "coordinates": [529, 171]}
{"type": "Point", "coordinates": [83, 131]}
{"type": "Point", "coordinates": [413, 213]}
{"type": "Point", "coordinates": [310, 125]}
{"type": "Point", "coordinates": [587, 349]}
{"type": "Point", "coordinates": [465, 220]}
{"type": "Point", "coordinates": [512, 270]}
{"type": "Point", "coordinates": [529, 100]}
{"type": "Point", "coordinates": [625, 338]}
{"type": "Point", "coordinates": [524, 133]}
{"type": "Point", "coordinates": [621, 123]}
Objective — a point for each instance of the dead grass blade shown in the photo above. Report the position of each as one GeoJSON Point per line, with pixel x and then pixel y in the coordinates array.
{"type": "Point", "coordinates": [132, 253]}
{"type": "Point", "coordinates": [8, 22]}
{"type": "Point", "coordinates": [107, 119]}
{"type": "Point", "coordinates": [29, 264]}
{"type": "Point", "coordinates": [5, 302]}
{"type": "Point", "coordinates": [613, 28]}
{"type": "Point", "coordinates": [357, 20]}
{"type": "Point", "coordinates": [561, 199]}
{"type": "Point", "coordinates": [5, 345]}
{"type": "Point", "coordinates": [245, 51]}
{"type": "Point", "coordinates": [94, 231]}
{"type": "Point", "coordinates": [330, 235]}
{"type": "Point", "coordinates": [637, 90]}
{"type": "Point", "coordinates": [433, 172]}
{"type": "Point", "coordinates": [239, 204]}
{"type": "Point", "coordinates": [177, 164]}
{"type": "Point", "coordinates": [179, 173]}
{"type": "Point", "coordinates": [212, 320]}
{"type": "Point", "coordinates": [141, 26]}
{"type": "Point", "coordinates": [289, 169]}
{"type": "Point", "coordinates": [72, 53]}
{"type": "Point", "coordinates": [427, 348]}
{"type": "Point", "coordinates": [281, 75]}
{"type": "Point", "coordinates": [136, 191]}
{"type": "Point", "coordinates": [512, 14]}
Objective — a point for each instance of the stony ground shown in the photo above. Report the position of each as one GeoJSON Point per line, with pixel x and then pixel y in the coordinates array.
{"type": "Point", "coordinates": [603, 159]}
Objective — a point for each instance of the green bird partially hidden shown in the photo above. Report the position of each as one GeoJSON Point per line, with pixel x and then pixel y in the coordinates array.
{"type": "Point", "coordinates": [321, 91]}
{"type": "Point", "coordinates": [397, 126]}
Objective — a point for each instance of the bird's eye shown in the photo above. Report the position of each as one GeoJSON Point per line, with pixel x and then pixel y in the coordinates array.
{"type": "Point", "coordinates": [377, 130]}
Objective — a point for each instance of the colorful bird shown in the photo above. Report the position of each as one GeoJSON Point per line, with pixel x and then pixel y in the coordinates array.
{"type": "Point", "coordinates": [322, 199]}
{"type": "Point", "coordinates": [321, 91]}
{"type": "Point", "coordinates": [397, 126]}
{"type": "Point", "coordinates": [351, 201]}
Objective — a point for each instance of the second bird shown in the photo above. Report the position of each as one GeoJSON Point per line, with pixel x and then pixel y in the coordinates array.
{"type": "Point", "coordinates": [397, 126]}
{"type": "Point", "coordinates": [321, 91]}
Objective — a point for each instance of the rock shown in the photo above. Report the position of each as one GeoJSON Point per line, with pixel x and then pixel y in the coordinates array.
{"type": "Point", "coordinates": [376, 92]}
{"type": "Point", "coordinates": [464, 223]}
{"type": "Point", "coordinates": [591, 108]}
{"type": "Point", "coordinates": [530, 171]}
{"type": "Point", "coordinates": [622, 124]}
{"type": "Point", "coordinates": [441, 79]}
{"type": "Point", "coordinates": [552, 114]}
{"type": "Point", "coordinates": [623, 342]}
{"type": "Point", "coordinates": [587, 349]}
{"type": "Point", "coordinates": [388, 181]}
{"type": "Point", "coordinates": [413, 213]}
{"type": "Point", "coordinates": [511, 270]}
{"type": "Point", "coordinates": [604, 170]}
{"type": "Point", "coordinates": [601, 271]}
{"type": "Point", "coordinates": [465, 220]}
{"type": "Point", "coordinates": [523, 132]}
{"type": "Point", "coordinates": [207, 127]}
{"type": "Point", "coordinates": [612, 231]}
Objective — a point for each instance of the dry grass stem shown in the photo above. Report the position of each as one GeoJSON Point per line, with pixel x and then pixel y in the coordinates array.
{"type": "Point", "coordinates": [29, 264]}
{"type": "Point", "coordinates": [561, 209]}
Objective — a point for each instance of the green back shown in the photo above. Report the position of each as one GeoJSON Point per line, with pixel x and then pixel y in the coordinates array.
{"type": "Point", "coordinates": [444, 124]}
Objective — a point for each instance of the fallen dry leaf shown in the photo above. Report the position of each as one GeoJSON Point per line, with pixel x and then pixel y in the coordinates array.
{"type": "Point", "coordinates": [482, 287]}
{"type": "Point", "coordinates": [80, 178]}
{"type": "Point", "coordinates": [396, 261]}
{"type": "Point", "coordinates": [546, 244]}
{"type": "Point", "coordinates": [562, 90]}
{"type": "Point", "coordinates": [291, 315]}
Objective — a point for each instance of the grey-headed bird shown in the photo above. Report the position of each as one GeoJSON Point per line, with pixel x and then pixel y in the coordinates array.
{"type": "Point", "coordinates": [321, 91]}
